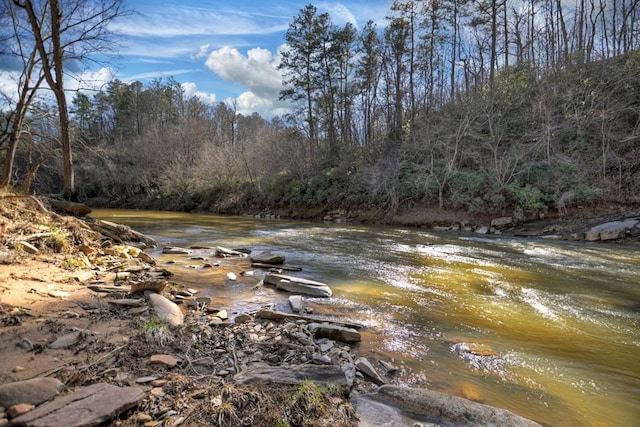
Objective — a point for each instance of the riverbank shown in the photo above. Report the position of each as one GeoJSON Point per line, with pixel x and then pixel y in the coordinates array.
{"type": "Point", "coordinates": [138, 327]}
{"type": "Point", "coordinates": [68, 316]}
{"type": "Point", "coordinates": [573, 225]}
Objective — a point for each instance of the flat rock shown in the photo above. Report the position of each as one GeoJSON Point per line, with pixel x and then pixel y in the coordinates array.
{"type": "Point", "coordinates": [86, 407]}
{"type": "Point", "coordinates": [163, 359]}
{"type": "Point", "coordinates": [174, 250]}
{"type": "Point", "coordinates": [156, 286]}
{"type": "Point", "coordinates": [611, 230]}
{"type": "Point", "coordinates": [164, 309]}
{"type": "Point", "coordinates": [66, 340]}
{"type": "Point", "coordinates": [502, 221]}
{"type": "Point", "coordinates": [372, 413]}
{"type": "Point", "coordinates": [33, 391]}
{"type": "Point", "coordinates": [267, 258]}
{"type": "Point", "coordinates": [334, 332]}
{"type": "Point", "coordinates": [445, 409]}
{"type": "Point", "coordinates": [55, 293]}
{"type": "Point", "coordinates": [298, 285]}
{"type": "Point", "coordinates": [127, 302]}
{"type": "Point", "coordinates": [267, 374]}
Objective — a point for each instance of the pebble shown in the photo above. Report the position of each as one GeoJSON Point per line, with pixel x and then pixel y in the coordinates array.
{"type": "Point", "coordinates": [58, 294]}
{"type": "Point", "coordinates": [25, 344]}
{"type": "Point", "coordinates": [163, 359]}
{"type": "Point", "coordinates": [242, 318]}
{"type": "Point", "coordinates": [147, 379]}
{"type": "Point", "coordinates": [19, 409]}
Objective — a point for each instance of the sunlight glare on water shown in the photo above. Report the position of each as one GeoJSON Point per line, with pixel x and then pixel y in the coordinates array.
{"type": "Point", "coordinates": [549, 330]}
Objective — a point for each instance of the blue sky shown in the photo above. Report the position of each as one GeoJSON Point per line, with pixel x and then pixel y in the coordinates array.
{"type": "Point", "coordinates": [218, 50]}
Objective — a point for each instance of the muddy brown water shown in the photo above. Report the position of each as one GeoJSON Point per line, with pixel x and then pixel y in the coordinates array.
{"type": "Point", "coordinates": [549, 330]}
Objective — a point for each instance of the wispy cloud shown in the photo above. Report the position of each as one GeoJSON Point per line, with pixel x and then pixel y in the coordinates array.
{"type": "Point", "coordinates": [156, 74]}
{"type": "Point", "coordinates": [181, 20]}
{"type": "Point", "coordinates": [203, 51]}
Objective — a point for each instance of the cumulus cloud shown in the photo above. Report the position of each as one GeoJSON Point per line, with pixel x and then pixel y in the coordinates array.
{"type": "Point", "coordinates": [191, 89]}
{"type": "Point", "coordinates": [249, 103]}
{"type": "Point", "coordinates": [257, 71]}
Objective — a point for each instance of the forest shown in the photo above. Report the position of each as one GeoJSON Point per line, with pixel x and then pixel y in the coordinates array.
{"type": "Point", "coordinates": [482, 106]}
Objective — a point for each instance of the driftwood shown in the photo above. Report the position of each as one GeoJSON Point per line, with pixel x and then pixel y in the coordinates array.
{"type": "Point", "coordinates": [280, 315]}
{"type": "Point", "coordinates": [120, 233]}
{"type": "Point", "coordinates": [108, 289]}
{"type": "Point", "coordinates": [77, 209]}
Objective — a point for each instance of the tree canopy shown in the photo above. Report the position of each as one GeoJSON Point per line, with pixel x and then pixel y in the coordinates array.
{"type": "Point", "coordinates": [486, 106]}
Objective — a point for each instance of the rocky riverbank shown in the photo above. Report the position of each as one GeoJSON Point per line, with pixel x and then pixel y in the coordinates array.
{"type": "Point", "coordinates": [612, 223]}
{"type": "Point", "coordinates": [94, 332]}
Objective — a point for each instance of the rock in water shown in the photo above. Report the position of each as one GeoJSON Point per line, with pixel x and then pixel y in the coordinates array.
{"type": "Point", "coordinates": [334, 332]}
{"type": "Point", "coordinates": [173, 250]}
{"type": "Point", "coordinates": [298, 285]}
{"type": "Point", "coordinates": [448, 410]}
{"type": "Point", "coordinates": [267, 258]}
{"type": "Point", "coordinates": [363, 365]}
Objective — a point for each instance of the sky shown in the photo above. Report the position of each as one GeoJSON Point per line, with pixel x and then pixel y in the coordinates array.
{"type": "Point", "coordinates": [220, 50]}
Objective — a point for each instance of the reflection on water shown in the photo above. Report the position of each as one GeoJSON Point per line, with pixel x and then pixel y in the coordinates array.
{"type": "Point", "coordinates": [549, 330]}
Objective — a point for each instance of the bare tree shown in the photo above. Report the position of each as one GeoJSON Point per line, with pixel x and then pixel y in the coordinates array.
{"type": "Point", "coordinates": [27, 84]}
{"type": "Point", "coordinates": [63, 31]}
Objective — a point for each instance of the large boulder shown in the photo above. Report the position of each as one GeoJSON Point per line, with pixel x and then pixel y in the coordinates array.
{"type": "Point", "coordinates": [165, 309]}
{"type": "Point", "coordinates": [612, 230]}
{"type": "Point", "coordinates": [430, 406]}
{"type": "Point", "coordinates": [298, 285]}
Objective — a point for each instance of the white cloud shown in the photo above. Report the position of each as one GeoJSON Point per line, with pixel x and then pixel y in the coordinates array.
{"type": "Point", "coordinates": [181, 20]}
{"type": "Point", "coordinates": [156, 75]}
{"type": "Point", "coordinates": [90, 82]}
{"type": "Point", "coordinates": [190, 89]}
{"type": "Point", "coordinates": [203, 51]}
{"type": "Point", "coordinates": [248, 103]}
{"type": "Point", "coordinates": [257, 71]}
{"type": "Point", "coordinates": [340, 14]}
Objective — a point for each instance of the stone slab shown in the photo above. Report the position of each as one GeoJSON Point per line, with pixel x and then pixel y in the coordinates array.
{"type": "Point", "coordinates": [261, 373]}
{"type": "Point", "coordinates": [87, 407]}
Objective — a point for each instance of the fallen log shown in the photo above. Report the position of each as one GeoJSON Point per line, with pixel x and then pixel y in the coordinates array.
{"type": "Point", "coordinates": [120, 233]}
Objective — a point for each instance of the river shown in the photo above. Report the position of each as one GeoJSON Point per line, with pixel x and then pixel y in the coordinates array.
{"type": "Point", "coordinates": [549, 330]}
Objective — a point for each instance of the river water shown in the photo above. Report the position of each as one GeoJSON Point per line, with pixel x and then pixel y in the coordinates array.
{"type": "Point", "coordinates": [549, 330]}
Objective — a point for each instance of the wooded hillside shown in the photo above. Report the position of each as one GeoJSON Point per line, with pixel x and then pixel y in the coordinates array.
{"type": "Point", "coordinates": [485, 106]}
